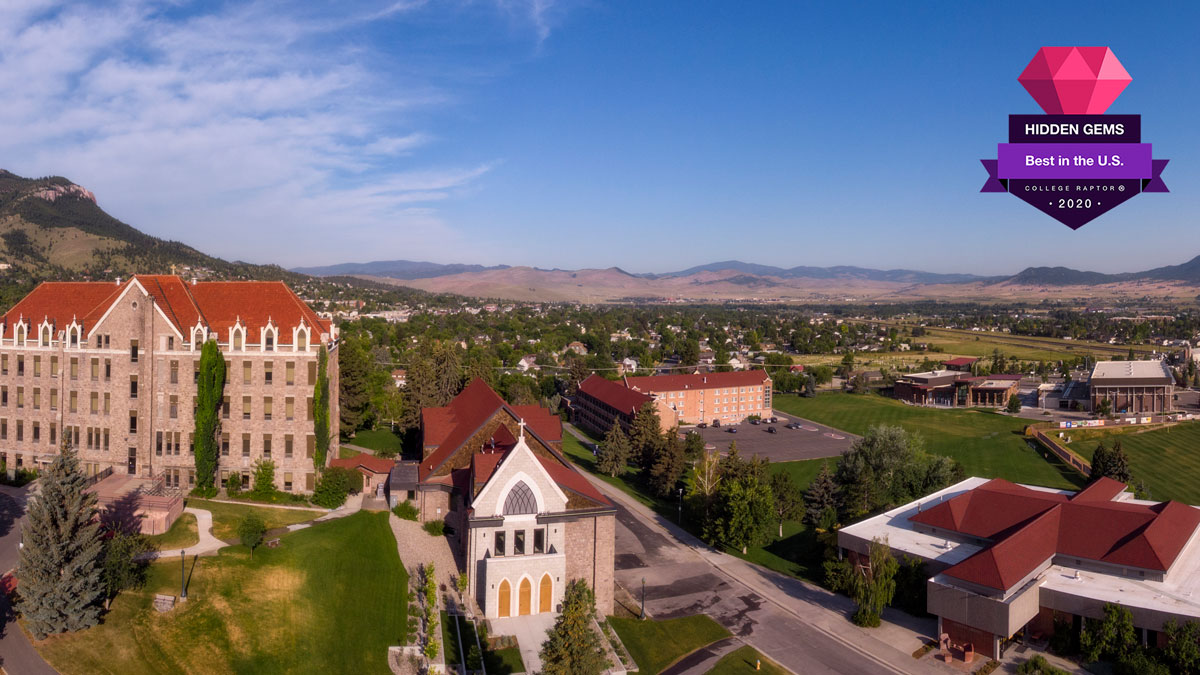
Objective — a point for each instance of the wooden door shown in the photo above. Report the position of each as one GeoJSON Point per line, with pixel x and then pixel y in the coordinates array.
{"type": "Point", "coordinates": [504, 599]}
{"type": "Point", "coordinates": [545, 594]}
{"type": "Point", "coordinates": [524, 598]}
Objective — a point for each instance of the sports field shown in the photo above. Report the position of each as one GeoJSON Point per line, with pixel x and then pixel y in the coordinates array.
{"type": "Point", "coordinates": [1167, 458]}
{"type": "Point", "coordinates": [986, 443]}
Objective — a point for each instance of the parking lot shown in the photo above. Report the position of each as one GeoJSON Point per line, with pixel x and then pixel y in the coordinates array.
{"type": "Point", "coordinates": [810, 441]}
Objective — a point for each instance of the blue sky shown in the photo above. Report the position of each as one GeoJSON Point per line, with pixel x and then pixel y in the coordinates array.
{"type": "Point", "coordinates": [647, 135]}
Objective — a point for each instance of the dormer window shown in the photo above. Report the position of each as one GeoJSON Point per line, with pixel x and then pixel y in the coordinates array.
{"type": "Point", "coordinates": [237, 339]}
{"type": "Point", "coordinates": [301, 338]}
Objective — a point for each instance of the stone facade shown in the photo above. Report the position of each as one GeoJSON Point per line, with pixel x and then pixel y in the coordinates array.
{"type": "Point", "coordinates": [119, 383]}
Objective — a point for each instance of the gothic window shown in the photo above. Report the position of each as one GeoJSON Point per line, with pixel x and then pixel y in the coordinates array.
{"type": "Point", "coordinates": [520, 500]}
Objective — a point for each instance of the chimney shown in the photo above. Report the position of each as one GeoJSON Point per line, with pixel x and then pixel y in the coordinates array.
{"type": "Point", "coordinates": [118, 281]}
{"type": "Point", "coordinates": [193, 281]}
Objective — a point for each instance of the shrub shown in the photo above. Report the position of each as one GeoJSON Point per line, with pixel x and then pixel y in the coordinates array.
{"type": "Point", "coordinates": [204, 492]}
{"type": "Point", "coordinates": [1038, 665]}
{"type": "Point", "coordinates": [335, 485]}
{"type": "Point", "coordinates": [436, 527]}
{"type": "Point", "coordinates": [20, 476]}
{"type": "Point", "coordinates": [406, 511]}
{"type": "Point", "coordinates": [233, 486]}
{"type": "Point", "coordinates": [264, 479]}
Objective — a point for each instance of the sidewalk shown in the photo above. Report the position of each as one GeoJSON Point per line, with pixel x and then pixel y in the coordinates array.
{"type": "Point", "coordinates": [207, 545]}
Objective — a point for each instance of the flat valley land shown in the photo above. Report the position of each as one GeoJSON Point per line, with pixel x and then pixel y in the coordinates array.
{"type": "Point", "coordinates": [614, 285]}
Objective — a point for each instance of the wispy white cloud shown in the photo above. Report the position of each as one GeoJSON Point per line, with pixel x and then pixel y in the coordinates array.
{"type": "Point", "coordinates": [254, 131]}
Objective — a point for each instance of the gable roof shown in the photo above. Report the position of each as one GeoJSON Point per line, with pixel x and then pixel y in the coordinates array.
{"type": "Point", "coordinates": [619, 397]}
{"type": "Point", "coordinates": [659, 383]}
{"type": "Point", "coordinates": [1027, 527]}
{"type": "Point", "coordinates": [369, 462]}
{"type": "Point", "coordinates": [446, 429]}
{"type": "Point", "coordinates": [216, 304]}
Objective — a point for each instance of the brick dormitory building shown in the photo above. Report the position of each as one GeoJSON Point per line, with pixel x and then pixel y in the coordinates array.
{"type": "Point", "coordinates": [727, 398]}
{"type": "Point", "coordinates": [111, 368]}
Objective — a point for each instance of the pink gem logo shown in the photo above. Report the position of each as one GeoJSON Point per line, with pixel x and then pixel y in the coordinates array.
{"type": "Point", "coordinates": [1074, 80]}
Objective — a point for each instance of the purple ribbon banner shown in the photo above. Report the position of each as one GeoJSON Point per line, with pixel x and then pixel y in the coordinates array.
{"type": "Point", "coordinates": [1152, 182]}
{"type": "Point", "coordinates": [1079, 161]}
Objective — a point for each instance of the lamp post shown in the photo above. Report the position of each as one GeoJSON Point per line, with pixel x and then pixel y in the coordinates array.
{"type": "Point", "coordinates": [680, 518]}
{"type": "Point", "coordinates": [643, 598]}
{"type": "Point", "coordinates": [182, 575]}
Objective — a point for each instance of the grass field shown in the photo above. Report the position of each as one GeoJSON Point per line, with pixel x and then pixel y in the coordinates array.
{"type": "Point", "coordinates": [330, 599]}
{"type": "Point", "coordinates": [1165, 458]}
{"type": "Point", "coordinates": [985, 443]}
{"type": "Point", "coordinates": [379, 440]}
{"type": "Point", "coordinates": [654, 645]}
{"type": "Point", "coordinates": [181, 535]}
{"type": "Point", "coordinates": [744, 660]}
{"type": "Point", "coordinates": [226, 516]}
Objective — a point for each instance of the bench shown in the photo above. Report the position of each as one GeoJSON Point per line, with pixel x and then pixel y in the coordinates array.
{"type": "Point", "coordinates": [164, 603]}
{"type": "Point", "coordinates": [273, 543]}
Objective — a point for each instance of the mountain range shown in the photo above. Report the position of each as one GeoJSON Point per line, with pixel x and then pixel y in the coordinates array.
{"type": "Point", "coordinates": [736, 271]}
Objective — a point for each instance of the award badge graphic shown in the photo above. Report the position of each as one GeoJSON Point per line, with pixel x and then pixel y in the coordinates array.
{"type": "Point", "coordinates": [1074, 163]}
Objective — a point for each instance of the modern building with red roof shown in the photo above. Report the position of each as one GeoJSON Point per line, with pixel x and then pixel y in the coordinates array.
{"type": "Point", "coordinates": [704, 397]}
{"type": "Point", "coordinates": [527, 521]}
{"type": "Point", "coordinates": [111, 368]}
{"type": "Point", "coordinates": [1008, 558]}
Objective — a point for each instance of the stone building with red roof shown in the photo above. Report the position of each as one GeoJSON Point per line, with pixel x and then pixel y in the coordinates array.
{"type": "Point", "coordinates": [1010, 560]}
{"type": "Point", "coordinates": [526, 521]}
{"type": "Point", "coordinates": [111, 368]}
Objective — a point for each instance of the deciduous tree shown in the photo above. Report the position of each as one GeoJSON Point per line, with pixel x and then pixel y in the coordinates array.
{"type": "Point", "coordinates": [122, 568]}
{"type": "Point", "coordinates": [1112, 637]}
{"type": "Point", "coordinates": [210, 393]}
{"type": "Point", "coordinates": [321, 430]}
{"type": "Point", "coordinates": [873, 586]}
{"type": "Point", "coordinates": [789, 502]}
{"type": "Point", "coordinates": [250, 531]}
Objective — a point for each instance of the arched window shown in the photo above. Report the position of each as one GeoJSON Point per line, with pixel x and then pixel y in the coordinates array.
{"type": "Point", "coordinates": [237, 339]}
{"type": "Point", "coordinates": [520, 500]}
{"type": "Point", "coordinates": [302, 339]}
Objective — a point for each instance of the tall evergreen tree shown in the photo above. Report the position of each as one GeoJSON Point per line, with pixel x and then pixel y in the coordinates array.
{"type": "Point", "coordinates": [210, 392]}
{"type": "Point", "coordinates": [743, 513]}
{"type": "Point", "coordinates": [321, 410]}
{"type": "Point", "coordinates": [572, 647]}
{"type": "Point", "coordinates": [354, 371]}
{"type": "Point", "coordinates": [645, 436]}
{"type": "Point", "coordinates": [1112, 463]}
{"type": "Point", "coordinates": [613, 453]}
{"type": "Point", "coordinates": [668, 464]}
{"type": "Point", "coordinates": [61, 561]}
{"type": "Point", "coordinates": [820, 496]}
{"type": "Point", "coordinates": [693, 448]}
{"type": "Point", "coordinates": [789, 502]}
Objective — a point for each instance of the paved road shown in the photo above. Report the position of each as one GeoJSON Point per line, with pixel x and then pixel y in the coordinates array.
{"type": "Point", "coordinates": [17, 656]}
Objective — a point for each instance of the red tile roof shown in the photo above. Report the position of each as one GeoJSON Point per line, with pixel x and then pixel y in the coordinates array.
{"type": "Point", "coordinates": [960, 361]}
{"type": "Point", "coordinates": [446, 429]}
{"type": "Point", "coordinates": [217, 304]}
{"type": "Point", "coordinates": [371, 463]}
{"type": "Point", "coordinates": [614, 394]}
{"type": "Point", "coordinates": [661, 383]}
{"type": "Point", "coordinates": [1024, 524]}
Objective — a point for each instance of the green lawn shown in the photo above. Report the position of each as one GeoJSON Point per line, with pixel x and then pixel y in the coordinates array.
{"type": "Point", "coordinates": [985, 443]}
{"type": "Point", "coordinates": [1165, 458]}
{"type": "Point", "coordinates": [503, 661]}
{"type": "Point", "coordinates": [379, 440]}
{"type": "Point", "coordinates": [181, 535]}
{"type": "Point", "coordinates": [654, 645]}
{"type": "Point", "coordinates": [450, 640]}
{"type": "Point", "coordinates": [743, 660]}
{"type": "Point", "coordinates": [330, 599]}
{"type": "Point", "coordinates": [226, 516]}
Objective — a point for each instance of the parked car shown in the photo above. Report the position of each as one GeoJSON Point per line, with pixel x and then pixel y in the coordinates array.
{"type": "Point", "coordinates": [702, 425]}
{"type": "Point", "coordinates": [793, 425]}
{"type": "Point", "coordinates": [773, 420]}
{"type": "Point", "coordinates": [732, 430]}
{"type": "Point", "coordinates": [717, 424]}
{"type": "Point", "coordinates": [771, 430]}
{"type": "Point", "coordinates": [754, 422]}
